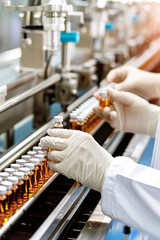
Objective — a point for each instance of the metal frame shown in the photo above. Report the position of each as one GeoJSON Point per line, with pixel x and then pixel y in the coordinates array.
{"type": "Point", "coordinates": [31, 92]}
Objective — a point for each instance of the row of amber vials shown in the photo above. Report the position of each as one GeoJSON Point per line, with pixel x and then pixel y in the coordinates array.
{"type": "Point", "coordinates": [83, 118]}
{"type": "Point", "coordinates": [21, 180]}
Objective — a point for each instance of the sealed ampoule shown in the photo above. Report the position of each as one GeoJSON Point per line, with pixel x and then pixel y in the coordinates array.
{"type": "Point", "coordinates": [31, 176]}
{"type": "Point", "coordinates": [20, 185]}
{"type": "Point", "coordinates": [26, 158]}
{"type": "Point", "coordinates": [15, 166]}
{"type": "Point", "coordinates": [35, 161]}
{"type": "Point", "coordinates": [4, 175]}
{"type": "Point", "coordinates": [41, 168]}
{"type": "Point", "coordinates": [58, 122]}
{"type": "Point", "coordinates": [21, 162]}
{"type": "Point", "coordinates": [9, 196]}
{"type": "Point", "coordinates": [80, 123]}
{"type": "Point", "coordinates": [2, 203]}
{"type": "Point", "coordinates": [31, 153]}
{"type": "Point", "coordinates": [10, 171]}
{"type": "Point", "coordinates": [26, 170]}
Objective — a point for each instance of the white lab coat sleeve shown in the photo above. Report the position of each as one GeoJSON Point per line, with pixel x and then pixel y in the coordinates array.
{"type": "Point", "coordinates": [131, 194]}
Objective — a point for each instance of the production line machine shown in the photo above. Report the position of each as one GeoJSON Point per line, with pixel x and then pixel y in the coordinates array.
{"type": "Point", "coordinates": [66, 50]}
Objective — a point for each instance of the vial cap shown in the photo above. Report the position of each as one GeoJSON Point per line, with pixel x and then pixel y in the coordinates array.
{"type": "Point", "coordinates": [3, 190]}
{"type": "Point", "coordinates": [26, 157]}
{"type": "Point", "coordinates": [7, 184]}
{"type": "Point", "coordinates": [35, 161]}
{"type": "Point", "coordinates": [29, 165]}
{"type": "Point", "coordinates": [73, 116]}
{"type": "Point", "coordinates": [83, 115]}
{"type": "Point", "coordinates": [9, 170]}
{"type": "Point", "coordinates": [80, 118]}
{"type": "Point", "coordinates": [20, 162]}
{"type": "Point", "coordinates": [104, 94]}
{"type": "Point", "coordinates": [42, 153]}
{"type": "Point", "coordinates": [15, 166]}
{"type": "Point", "coordinates": [4, 175]}
{"type": "Point", "coordinates": [25, 170]}
{"type": "Point", "coordinates": [13, 179]}
{"type": "Point", "coordinates": [58, 118]}
{"type": "Point", "coordinates": [20, 175]}
{"type": "Point", "coordinates": [40, 157]}
{"type": "Point", "coordinates": [31, 153]}
{"type": "Point", "coordinates": [37, 148]}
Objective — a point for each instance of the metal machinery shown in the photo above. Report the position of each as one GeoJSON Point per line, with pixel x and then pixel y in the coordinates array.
{"type": "Point", "coordinates": [49, 69]}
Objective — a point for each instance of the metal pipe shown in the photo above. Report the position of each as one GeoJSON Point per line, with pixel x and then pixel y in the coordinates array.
{"type": "Point", "coordinates": [23, 79]}
{"type": "Point", "coordinates": [29, 93]}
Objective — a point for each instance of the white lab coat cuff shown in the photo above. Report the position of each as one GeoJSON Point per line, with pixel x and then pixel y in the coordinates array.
{"type": "Point", "coordinates": [118, 165]}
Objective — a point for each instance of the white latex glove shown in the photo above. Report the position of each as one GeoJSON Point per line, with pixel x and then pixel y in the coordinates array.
{"type": "Point", "coordinates": [130, 113]}
{"type": "Point", "coordinates": [78, 157]}
{"type": "Point", "coordinates": [131, 79]}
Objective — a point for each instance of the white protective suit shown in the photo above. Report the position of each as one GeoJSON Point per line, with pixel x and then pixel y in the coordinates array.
{"type": "Point", "coordinates": [127, 186]}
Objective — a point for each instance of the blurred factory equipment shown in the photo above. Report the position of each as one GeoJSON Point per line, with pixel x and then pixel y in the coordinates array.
{"type": "Point", "coordinates": [67, 48]}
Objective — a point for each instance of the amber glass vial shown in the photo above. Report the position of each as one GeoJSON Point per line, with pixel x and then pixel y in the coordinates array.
{"type": "Point", "coordinates": [73, 121]}
{"type": "Point", "coordinates": [20, 185]}
{"type": "Point", "coordinates": [80, 123]}
{"type": "Point", "coordinates": [3, 198]}
{"type": "Point", "coordinates": [35, 161]}
{"type": "Point", "coordinates": [31, 176]}
{"type": "Point", "coordinates": [26, 170]}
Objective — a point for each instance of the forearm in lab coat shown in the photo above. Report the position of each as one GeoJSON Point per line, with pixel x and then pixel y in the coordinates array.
{"type": "Point", "coordinates": [131, 194]}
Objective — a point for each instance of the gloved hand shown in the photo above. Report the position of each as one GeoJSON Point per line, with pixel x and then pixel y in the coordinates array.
{"type": "Point", "coordinates": [77, 156]}
{"type": "Point", "coordinates": [139, 82]}
{"type": "Point", "coordinates": [130, 113]}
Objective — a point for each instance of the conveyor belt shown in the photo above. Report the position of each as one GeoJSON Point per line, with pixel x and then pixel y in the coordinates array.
{"type": "Point", "coordinates": [40, 210]}
{"type": "Point", "coordinates": [55, 202]}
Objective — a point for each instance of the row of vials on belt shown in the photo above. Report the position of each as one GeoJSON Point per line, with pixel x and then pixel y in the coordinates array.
{"type": "Point", "coordinates": [83, 117]}
{"type": "Point", "coordinates": [23, 178]}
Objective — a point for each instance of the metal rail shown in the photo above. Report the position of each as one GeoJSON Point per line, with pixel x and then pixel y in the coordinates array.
{"type": "Point", "coordinates": [61, 215]}
{"type": "Point", "coordinates": [29, 93]}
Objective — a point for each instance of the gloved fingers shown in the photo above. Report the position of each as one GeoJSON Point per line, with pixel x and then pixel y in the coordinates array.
{"type": "Point", "coordinates": [52, 142]}
{"type": "Point", "coordinates": [125, 98]}
{"type": "Point", "coordinates": [98, 111]}
{"type": "Point", "coordinates": [117, 75]}
{"type": "Point", "coordinates": [62, 133]}
{"type": "Point", "coordinates": [120, 121]}
{"type": "Point", "coordinates": [56, 156]}
{"type": "Point", "coordinates": [125, 86]}
{"type": "Point", "coordinates": [53, 166]}
{"type": "Point", "coordinates": [108, 114]}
